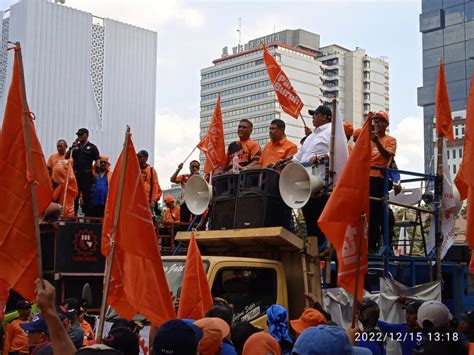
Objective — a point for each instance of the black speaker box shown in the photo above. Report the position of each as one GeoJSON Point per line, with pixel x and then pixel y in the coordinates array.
{"type": "Point", "coordinates": [222, 214]}
{"type": "Point", "coordinates": [225, 186]}
{"type": "Point", "coordinates": [458, 253]}
{"type": "Point", "coordinates": [259, 181]}
{"type": "Point", "coordinates": [255, 211]}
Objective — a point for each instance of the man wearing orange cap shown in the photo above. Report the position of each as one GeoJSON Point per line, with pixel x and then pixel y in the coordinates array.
{"type": "Point", "coordinates": [215, 330]}
{"type": "Point", "coordinates": [356, 134]}
{"type": "Point", "coordinates": [310, 318]}
{"type": "Point", "coordinates": [172, 213]}
{"type": "Point", "coordinates": [383, 150]}
{"type": "Point", "coordinates": [348, 131]}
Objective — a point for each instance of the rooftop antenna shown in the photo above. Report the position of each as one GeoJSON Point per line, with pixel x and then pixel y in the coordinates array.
{"type": "Point", "coordinates": [240, 32]}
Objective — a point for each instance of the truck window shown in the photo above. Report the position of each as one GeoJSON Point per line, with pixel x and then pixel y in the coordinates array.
{"type": "Point", "coordinates": [250, 290]}
{"type": "Point", "coordinates": [174, 271]}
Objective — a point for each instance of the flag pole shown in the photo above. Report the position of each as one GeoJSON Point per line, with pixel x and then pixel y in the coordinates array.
{"type": "Point", "coordinates": [110, 258]}
{"type": "Point", "coordinates": [302, 119]}
{"type": "Point", "coordinates": [26, 117]}
{"type": "Point", "coordinates": [66, 185]}
{"type": "Point", "coordinates": [332, 144]}
{"type": "Point", "coordinates": [359, 252]}
{"type": "Point", "coordinates": [438, 207]}
{"type": "Point", "coordinates": [184, 161]}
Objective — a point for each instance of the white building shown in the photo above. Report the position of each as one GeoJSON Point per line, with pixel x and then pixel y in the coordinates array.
{"type": "Point", "coordinates": [82, 71]}
{"type": "Point", "coordinates": [359, 82]}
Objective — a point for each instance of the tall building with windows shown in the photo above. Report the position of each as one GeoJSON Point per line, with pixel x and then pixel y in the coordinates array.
{"type": "Point", "coordinates": [447, 28]}
{"type": "Point", "coordinates": [318, 74]}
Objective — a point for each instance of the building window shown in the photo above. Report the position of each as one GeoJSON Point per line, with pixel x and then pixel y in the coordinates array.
{"type": "Point", "coordinates": [447, 151]}
{"type": "Point", "coordinates": [454, 168]}
{"type": "Point", "coordinates": [454, 153]}
{"type": "Point", "coordinates": [460, 152]}
{"type": "Point", "coordinates": [462, 130]}
{"type": "Point", "coordinates": [431, 21]}
{"type": "Point", "coordinates": [366, 75]}
{"type": "Point", "coordinates": [456, 132]}
{"type": "Point", "coordinates": [366, 86]}
{"type": "Point", "coordinates": [366, 107]}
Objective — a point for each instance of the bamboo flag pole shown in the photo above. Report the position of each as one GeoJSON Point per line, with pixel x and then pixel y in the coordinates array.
{"type": "Point", "coordinates": [362, 222]}
{"type": "Point", "coordinates": [66, 185]}
{"type": "Point", "coordinates": [302, 119]}
{"type": "Point", "coordinates": [438, 203]}
{"type": "Point", "coordinates": [110, 258]}
{"type": "Point", "coordinates": [26, 118]}
{"type": "Point", "coordinates": [332, 143]}
{"type": "Point", "coordinates": [184, 161]}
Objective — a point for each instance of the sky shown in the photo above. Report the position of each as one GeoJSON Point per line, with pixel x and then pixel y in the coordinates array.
{"type": "Point", "coordinates": [191, 34]}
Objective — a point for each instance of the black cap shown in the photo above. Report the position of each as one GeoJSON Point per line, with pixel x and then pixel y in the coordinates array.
{"type": "Point", "coordinates": [412, 306]}
{"type": "Point", "coordinates": [366, 304]}
{"type": "Point", "coordinates": [82, 130]}
{"type": "Point", "coordinates": [23, 304]}
{"type": "Point", "coordinates": [321, 109]}
{"type": "Point", "coordinates": [142, 153]}
{"type": "Point", "coordinates": [123, 339]}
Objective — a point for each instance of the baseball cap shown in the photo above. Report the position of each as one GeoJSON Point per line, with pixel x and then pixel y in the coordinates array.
{"type": "Point", "coordinates": [142, 153]}
{"type": "Point", "coordinates": [241, 332]}
{"type": "Point", "coordinates": [261, 343]}
{"type": "Point", "coordinates": [23, 304]}
{"type": "Point", "coordinates": [37, 325]}
{"type": "Point", "coordinates": [468, 317]}
{"type": "Point", "coordinates": [214, 330]}
{"type": "Point", "coordinates": [310, 317]}
{"type": "Point", "coordinates": [321, 109]}
{"type": "Point", "coordinates": [324, 340]}
{"type": "Point", "coordinates": [169, 199]}
{"type": "Point", "coordinates": [357, 133]}
{"type": "Point", "coordinates": [82, 131]}
{"type": "Point", "coordinates": [435, 312]}
{"type": "Point", "coordinates": [412, 306]}
{"type": "Point", "coordinates": [366, 304]}
{"type": "Point", "coordinates": [123, 339]}
{"type": "Point", "coordinates": [175, 337]}
{"type": "Point", "coordinates": [98, 349]}
{"type": "Point", "coordinates": [383, 115]}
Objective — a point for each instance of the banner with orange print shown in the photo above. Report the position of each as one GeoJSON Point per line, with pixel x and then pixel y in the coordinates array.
{"type": "Point", "coordinates": [347, 232]}
{"type": "Point", "coordinates": [444, 121]}
{"type": "Point", "coordinates": [289, 100]}
{"type": "Point", "coordinates": [213, 142]}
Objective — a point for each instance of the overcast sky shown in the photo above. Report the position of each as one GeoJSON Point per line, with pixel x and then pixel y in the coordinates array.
{"type": "Point", "coordinates": [192, 33]}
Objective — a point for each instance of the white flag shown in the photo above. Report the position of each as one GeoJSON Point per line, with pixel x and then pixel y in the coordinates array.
{"type": "Point", "coordinates": [341, 153]}
{"type": "Point", "coordinates": [448, 202]}
{"type": "Point", "coordinates": [403, 247]}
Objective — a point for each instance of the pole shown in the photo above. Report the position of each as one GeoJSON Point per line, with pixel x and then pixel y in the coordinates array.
{"type": "Point", "coordinates": [66, 185]}
{"type": "Point", "coordinates": [359, 252]}
{"type": "Point", "coordinates": [438, 207]}
{"type": "Point", "coordinates": [26, 125]}
{"type": "Point", "coordinates": [110, 258]}
{"type": "Point", "coordinates": [332, 143]}
{"type": "Point", "coordinates": [302, 119]}
{"type": "Point", "coordinates": [184, 161]}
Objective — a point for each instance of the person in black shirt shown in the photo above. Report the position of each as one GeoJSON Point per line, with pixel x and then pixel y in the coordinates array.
{"type": "Point", "coordinates": [84, 154]}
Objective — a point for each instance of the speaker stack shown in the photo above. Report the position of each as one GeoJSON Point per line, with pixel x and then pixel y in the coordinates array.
{"type": "Point", "coordinates": [225, 188]}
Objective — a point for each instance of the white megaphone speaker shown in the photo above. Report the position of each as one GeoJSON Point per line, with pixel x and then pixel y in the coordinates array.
{"type": "Point", "coordinates": [297, 185]}
{"type": "Point", "coordinates": [197, 194]}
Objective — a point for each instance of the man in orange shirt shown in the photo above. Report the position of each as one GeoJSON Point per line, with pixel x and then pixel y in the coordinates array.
{"type": "Point", "coordinates": [182, 179]}
{"type": "Point", "coordinates": [150, 180]}
{"type": "Point", "coordinates": [383, 150]}
{"type": "Point", "coordinates": [245, 149]}
{"type": "Point", "coordinates": [57, 163]}
{"type": "Point", "coordinates": [16, 340]}
{"type": "Point", "coordinates": [279, 148]}
{"type": "Point", "coordinates": [172, 213]}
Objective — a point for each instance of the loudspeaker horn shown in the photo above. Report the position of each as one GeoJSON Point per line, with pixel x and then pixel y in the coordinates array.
{"type": "Point", "coordinates": [197, 194]}
{"type": "Point", "coordinates": [297, 185]}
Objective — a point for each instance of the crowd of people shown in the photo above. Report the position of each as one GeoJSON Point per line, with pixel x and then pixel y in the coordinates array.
{"type": "Point", "coordinates": [429, 328]}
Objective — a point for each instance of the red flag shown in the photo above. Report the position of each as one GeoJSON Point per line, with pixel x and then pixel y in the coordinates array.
{"type": "Point", "coordinates": [138, 283]}
{"type": "Point", "coordinates": [345, 230]}
{"type": "Point", "coordinates": [213, 142]}
{"type": "Point", "coordinates": [18, 246]}
{"type": "Point", "coordinates": [66, 198]}
{"type": "Point", "coordinates": [196, 298]}
{"type": "Point", "coordinates": [289, 100]}
{"type": "Point", "coordinates": [444, 121]}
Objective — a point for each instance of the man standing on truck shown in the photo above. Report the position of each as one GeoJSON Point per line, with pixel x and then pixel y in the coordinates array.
{"type": "Point", "coordinates": [182, 179]}
{"type": "Point", "coordinates": [315, 151]}
{"type": "Point", "coordinates": [245, 149]}
{"type": "Point", "coordinates": [279, 148]}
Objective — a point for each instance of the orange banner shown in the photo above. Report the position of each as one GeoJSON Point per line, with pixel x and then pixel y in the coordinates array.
{"type": "Point", "coordinates": [213, 142]}
{"type": "Point", "coordinates": [289, 100]}
{"type": "Point", "coordinates": [444, 121]}
{"type": "Point", "coordinates": [345, 230]}
{"type": "Point", "coordinates": [138, 283]}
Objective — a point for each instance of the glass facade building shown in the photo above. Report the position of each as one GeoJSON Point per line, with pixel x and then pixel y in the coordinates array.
{"type": "Point", "coordinates": [447, 28]}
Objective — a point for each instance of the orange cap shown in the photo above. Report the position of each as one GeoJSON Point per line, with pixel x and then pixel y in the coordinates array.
{"type": "Point", "coordinates": [348, 129]}
{"type": "Point", "coordinates": [357, 133]}
{"type": "Point", "coordinates": [310, 318]}
{"type": "Point", "coordinates": [214, 329]}
{"type": "Point", "coordinates": [382, 114]}
{"type": "Point", "coordinates": [169, 199]}
{"type": "Point", "coordinates": [261, 343]}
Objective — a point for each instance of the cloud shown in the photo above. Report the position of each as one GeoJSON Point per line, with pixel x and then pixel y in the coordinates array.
{"type": "Point", "coordinates": [176, 136]}
{"type": "Point", "coordinates": [151, 14]}
{"type": "Point", "coordinates": [410, 152]}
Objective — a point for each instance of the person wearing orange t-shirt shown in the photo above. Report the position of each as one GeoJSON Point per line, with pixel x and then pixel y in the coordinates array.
{"type": "Point", "coordinates": [150, 180]}
{"type": "Point", "coordinates": [57, 163]}
{"type": "Point", "coordinates": [383, 150]}
{"type": "Point", "coordinates": [247, 150]}
{"type": "Point", "coordinates": [16, 340]}
{"type": "Point", "coordinates": [172, 213]}
{"type": "Point", "coordinates": [182, 179]}
{"type": "Point", "coordinates": [279, 148]}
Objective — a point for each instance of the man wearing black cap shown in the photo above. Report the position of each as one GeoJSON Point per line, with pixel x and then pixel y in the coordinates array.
{"type": "Point", "coordinates": [315, 151]}
{"type": "Point", "coordinates": [84, 154]}
{"type": "Point", "coordinates": [150, 180]}
{"type": "Point", "coordinates": [16, 340]}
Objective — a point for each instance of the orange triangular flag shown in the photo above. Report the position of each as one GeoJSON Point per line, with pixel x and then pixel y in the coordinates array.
{"type": "Point", "coordinates": [213, 142]}
{"type": "Point", "coordinates": [289, 100]}
{"type": "Point", "coordinates": [444, 121]}
{"type": "Point", "coordinates": [345, 230]}
{"type": "Point", "coordinates": [196, 298]}
{"type": "Point", "coordinates": [138, 283]}
{"type": "Point", "coordinates": [66, 198]}
{"type": "Point", "coordinates": [18, 245]}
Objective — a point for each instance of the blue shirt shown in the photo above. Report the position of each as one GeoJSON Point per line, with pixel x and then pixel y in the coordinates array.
{"type": "Point", "coordinates": [400, 332]}
{"type": "Point", "coordinates": [101, 187]}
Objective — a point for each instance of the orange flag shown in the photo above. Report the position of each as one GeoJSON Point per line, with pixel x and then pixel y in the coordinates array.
{"type": "Point", "coordinates": [213, 142]}
{"type": "Point", "coordinates": [465, 177]}
{"type": "Point", "coordinates": [289, 100]}
{"type": "Point", "coordinates": [196, 298]}
{"type": "Point", "coordinates": [66, 198]}
{"type": "Point", "coordinates": [345, 230]}
{"type": "Point", "coordinates": [444, 121]}
{"type": "Point", "coordinates": [18, 246]}
{"type": "Point", "coordinates": [138, 283]}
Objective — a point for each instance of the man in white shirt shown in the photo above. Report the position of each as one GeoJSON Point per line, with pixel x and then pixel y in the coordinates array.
{"type": "Point", "coordinates": [315, 150]}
